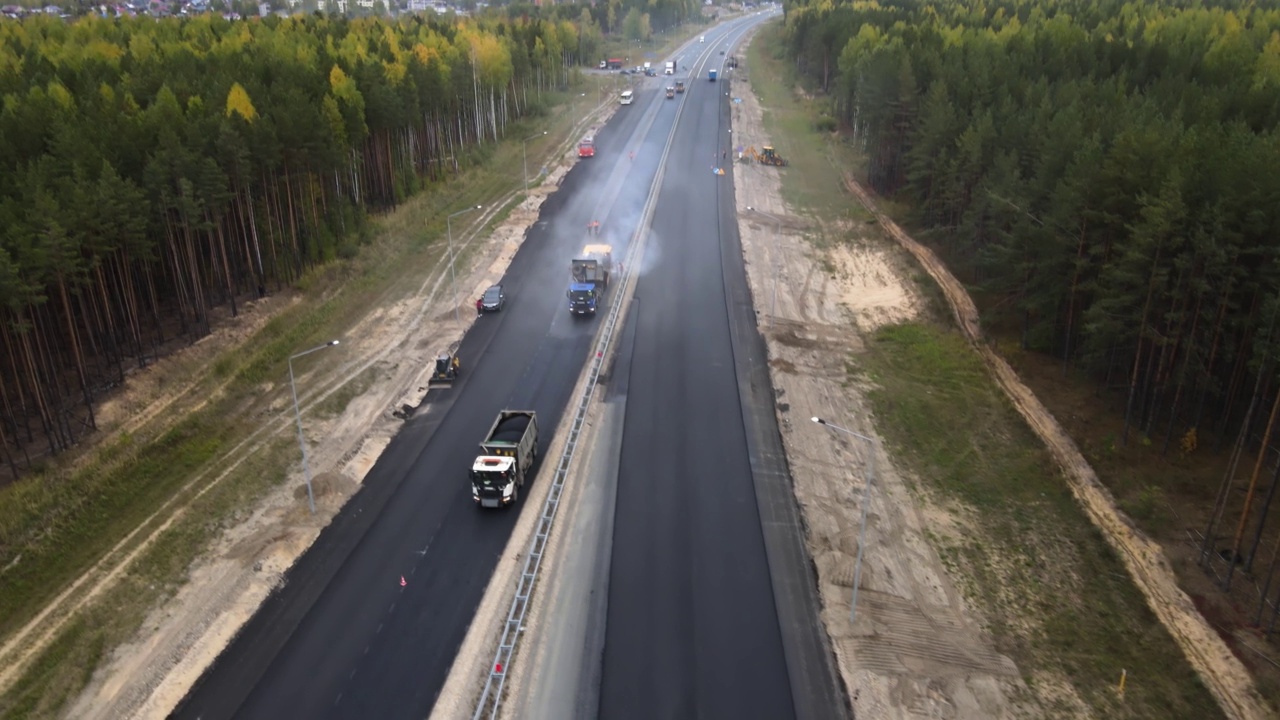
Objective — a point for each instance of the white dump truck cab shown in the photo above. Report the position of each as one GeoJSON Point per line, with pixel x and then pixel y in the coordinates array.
{"type": "Point", "coordinates": [497, 476]}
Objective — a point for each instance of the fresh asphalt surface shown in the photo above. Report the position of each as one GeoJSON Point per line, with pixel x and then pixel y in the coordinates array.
{"type": "Point", "coordinates": [692, 628]}
{"type": "Point", "coordinates": [342, 638]}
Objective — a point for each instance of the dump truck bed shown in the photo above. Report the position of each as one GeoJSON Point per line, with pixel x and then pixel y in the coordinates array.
{"type": "Point", "coordinates": [508, 433]}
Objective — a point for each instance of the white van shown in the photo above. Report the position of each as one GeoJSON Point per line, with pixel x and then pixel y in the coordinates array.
{"type": "Point", "coordinates": [626, 97]}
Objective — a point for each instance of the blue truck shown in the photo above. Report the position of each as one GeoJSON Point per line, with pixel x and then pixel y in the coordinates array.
{"type": "Point", "coordinates": [590, 272]}
{"type": "Point", "coordinates": [711, 74]}
{"type": "Point", "coordinates": [583, 298]}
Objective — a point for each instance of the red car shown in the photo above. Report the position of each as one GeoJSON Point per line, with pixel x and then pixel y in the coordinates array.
{"type": "Point", "coordinates": [587, 148]}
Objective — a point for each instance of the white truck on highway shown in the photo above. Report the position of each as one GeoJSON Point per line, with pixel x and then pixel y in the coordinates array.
{"type": "Point", "coordinates": [671, 67]}
{"type": "Point", "coordinates": [506, 454]}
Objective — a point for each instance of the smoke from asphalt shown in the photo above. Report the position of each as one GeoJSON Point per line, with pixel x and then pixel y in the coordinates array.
{"type": "Point", "coordinates": [620, 220]}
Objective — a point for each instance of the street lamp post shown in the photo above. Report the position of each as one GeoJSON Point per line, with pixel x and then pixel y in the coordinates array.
{"type": "Point", "coordinates": [453, 276]}
{"type": "Point", "coordinates": [525, 157]}
{"type": "Point", "coordinates": [866, 503]}
{"type": "Point", "coordinates": [297, 415]}
{"type": "Point", "coordinates": [777, 233]}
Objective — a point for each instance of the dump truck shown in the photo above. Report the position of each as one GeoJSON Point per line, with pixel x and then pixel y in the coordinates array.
{"type": "Point", "coordinates": [590, 278]}
{"type": "Point", "coordinates": [506, 454]}
{"type": "Point", "coordinates": [614, 63]}
{"type": "Point", "coordinates": [679, 86]}
{"type": "Point", "coordinates": [711, 74]}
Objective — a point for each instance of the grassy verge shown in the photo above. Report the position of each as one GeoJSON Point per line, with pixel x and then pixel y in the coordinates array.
{"type": "Point", "coordinates": [67, 665]}
{"type": "Point", "coordinates": [792, 119]}
{"type": "Point", "coordinates": [1054, 596]}
{"type": "Point", "coordinates": [55, 527]}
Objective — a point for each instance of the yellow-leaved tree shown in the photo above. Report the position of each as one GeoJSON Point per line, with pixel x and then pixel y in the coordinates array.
{"type": "Point", "coordinates": [493, 70]}
{"type": "Point", "coordinates": [238, 103]}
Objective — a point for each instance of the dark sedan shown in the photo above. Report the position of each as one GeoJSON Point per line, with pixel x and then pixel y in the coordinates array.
{"type": "Point", "coordinates": [493, 299]}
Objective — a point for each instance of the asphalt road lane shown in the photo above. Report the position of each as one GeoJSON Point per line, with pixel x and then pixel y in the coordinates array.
{"type": "Point", "coordinates": [692, 628]}
{"type": "Point", "coordinates": [341, 638]}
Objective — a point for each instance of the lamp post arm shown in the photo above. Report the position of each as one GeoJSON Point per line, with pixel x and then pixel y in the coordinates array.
{"type": "Point", "coordinates": [308, 352]}
{"type": "Point", "coordinates": [846, 431]}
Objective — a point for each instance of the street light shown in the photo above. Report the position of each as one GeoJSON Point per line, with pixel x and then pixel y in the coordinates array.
{"type": "Point", "coordinates": [773, 301]}
{"type": "Point", "coordinates": [453, 276]}
{"type": "Point", "coordinates": [524, 156]}
{"type": "Point", "coordinates": [866, 503]}
{"type": "Point", "coordinates": [297, 415]}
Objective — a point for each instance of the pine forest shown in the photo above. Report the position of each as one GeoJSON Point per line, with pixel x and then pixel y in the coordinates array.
{"type": "Point", "coordinates": [1105, 176]}
{"type": "Point", "coordinates": [154, 170]}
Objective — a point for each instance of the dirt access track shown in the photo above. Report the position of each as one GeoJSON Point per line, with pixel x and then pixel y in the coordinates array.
{"type": "Point", "coordinates": [1221, 671]}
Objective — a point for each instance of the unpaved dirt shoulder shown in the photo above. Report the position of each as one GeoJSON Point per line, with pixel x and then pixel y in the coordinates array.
{"type": "Point", "coordinates": [1221, 671]}
{"type": "Point", "coordinates": [917, 649]}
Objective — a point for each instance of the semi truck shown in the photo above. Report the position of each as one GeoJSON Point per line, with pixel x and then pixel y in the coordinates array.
{"type": "Point", "coordinates": [590, 278]}
{"type": "Point", "coordinates": [506, 454]}
{"type": "Point", "coordinates": [670, 68]}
